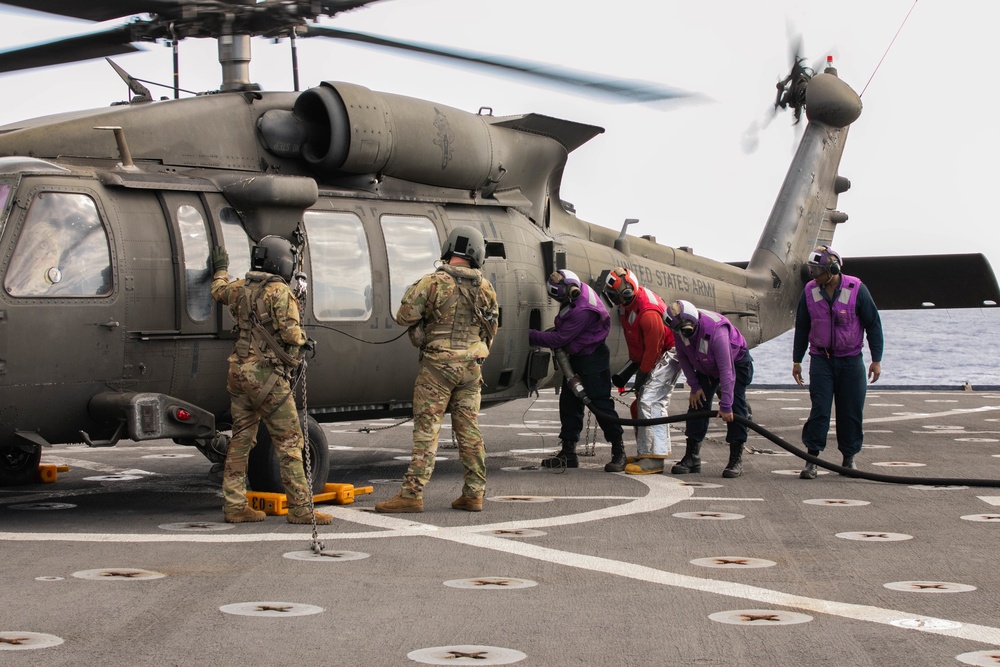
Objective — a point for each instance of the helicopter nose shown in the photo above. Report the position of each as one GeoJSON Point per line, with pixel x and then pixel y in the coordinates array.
{"type": "Point", "coordinates": [831, 101]}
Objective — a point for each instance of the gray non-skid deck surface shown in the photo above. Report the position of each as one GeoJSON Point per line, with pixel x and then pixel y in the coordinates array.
{"type": "Point", "coordinates": [615, 584]}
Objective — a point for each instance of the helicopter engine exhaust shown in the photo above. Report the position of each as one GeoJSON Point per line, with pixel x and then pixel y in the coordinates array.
{"type": "Point", "coordinates": [348, 129]}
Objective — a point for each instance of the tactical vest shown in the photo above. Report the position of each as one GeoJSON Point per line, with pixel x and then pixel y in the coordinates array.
{"type": "Point", "coordinates": [455, 322]}
{"type": "Point", "coordinates": [258, 333]}
{"type": "Point", "coordinates": [836, 330]}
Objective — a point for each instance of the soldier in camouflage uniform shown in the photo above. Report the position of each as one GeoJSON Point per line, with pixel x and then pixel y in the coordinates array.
{"type": "Point", "coordinates": [260, 369]}
{"type": "Point", "coordinates": [452, 315]}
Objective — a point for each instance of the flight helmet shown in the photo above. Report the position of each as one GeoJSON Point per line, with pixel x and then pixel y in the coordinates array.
{"type": "Point", "coordinates": [275, 255]}
{"type": "Point", "coordinates": [620, 286]}
{"type": "Point", "coordinates": [823, 259]}
{"type": "Point", "coordinates": [563, 286]}
{"type": "Point", "coordinates": [682, 317]}
{"type": "Point", "coordinates": [467, 242]}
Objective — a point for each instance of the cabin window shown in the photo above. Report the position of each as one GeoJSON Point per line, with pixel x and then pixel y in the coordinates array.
{"type": "Point", "coordinates": [63, 249]}
{"type": "Point", "coordinates": [237, 242]}
{"type": "Point", "coordinates": [341, 286]}
{"type": "Point", "coordinates": [4, 196]}
{"type": "Point", "coordinates": [413, 246]}
{"type": "Point", "coordinates": [197, 269]}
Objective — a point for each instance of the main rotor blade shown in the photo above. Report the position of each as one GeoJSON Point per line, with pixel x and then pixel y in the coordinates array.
{"type": "Point", "coordinates": [95, 10]}
{"type": "Point", "coordinates": [622, 90]}
{"type": "Point", "coordinates": [57, 52]}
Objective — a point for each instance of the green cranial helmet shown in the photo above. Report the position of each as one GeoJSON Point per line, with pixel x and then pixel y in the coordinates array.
{"type": "Point", "coordinates": [275, 255]}
{"type": "Point", "coordinates": [466, 242]}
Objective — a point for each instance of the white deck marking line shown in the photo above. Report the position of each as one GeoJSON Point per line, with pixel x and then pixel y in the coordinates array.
{"type": "Point", "coordinates": [992, 500]}
{"type": "Point", "coordinates": [900, 418]}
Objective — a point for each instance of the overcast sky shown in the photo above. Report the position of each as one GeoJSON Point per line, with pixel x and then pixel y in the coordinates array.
{"type": "Point", "coordinates": [921, 159]}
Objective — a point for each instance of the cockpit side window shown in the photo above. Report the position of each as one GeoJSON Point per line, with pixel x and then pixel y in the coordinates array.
{"type": "Point", "coordinates": [197, 273]}
{"type": "Point", "coordinates": [63, 249]}
{"type": "Point", "coordinates": [4, 196]}
{"type": "Point", "coordinates": [237, 242]}
{"type": "Point", "coordinates": [412, 245]}
{"type": "Point", "coordinates": [341, 266]}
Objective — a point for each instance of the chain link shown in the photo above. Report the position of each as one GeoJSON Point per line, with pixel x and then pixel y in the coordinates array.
{"type": "Point", "coordinates": [315, 545]}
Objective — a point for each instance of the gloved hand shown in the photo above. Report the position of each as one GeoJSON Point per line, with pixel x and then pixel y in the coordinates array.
{"type": "Point", "coordinates": [310, 347]}
{"type": "Point", "coordinates": [640, 381]}
{"type": "Point", "coordinates": [220, 259]}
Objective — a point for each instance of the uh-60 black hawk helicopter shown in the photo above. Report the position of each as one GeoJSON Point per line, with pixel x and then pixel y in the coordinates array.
{"type": "Point", "coordinates": [108, 217]}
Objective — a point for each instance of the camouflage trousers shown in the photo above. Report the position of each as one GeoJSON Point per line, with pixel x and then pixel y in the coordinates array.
{"type": "Point", "coordinates": [440, 388]}
{"type": "Point", "coordinates": [281, 419]}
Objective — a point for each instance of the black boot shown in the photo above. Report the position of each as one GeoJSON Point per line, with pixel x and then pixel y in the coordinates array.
{"type": "Point", "coordinates": [691, 462]}
{"type": "Point", "coordinates": [566, 458]}
{"type": "Point", "coordinates": [617, 463]}
{"type": "Point", "coordinates": [735, 466]}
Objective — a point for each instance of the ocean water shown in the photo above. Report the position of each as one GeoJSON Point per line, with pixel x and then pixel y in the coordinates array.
{"type": "Point", "coordinates": [939, 348]}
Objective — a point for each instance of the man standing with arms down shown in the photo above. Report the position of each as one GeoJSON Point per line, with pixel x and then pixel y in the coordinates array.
{"type": "Point", "coordinates": [835, 312]}
{"type": "Point", "coordinates": [260, 370]}
{"type": "Point", "coordinates": [651, 345]}
{"type": "Point", "coordinates": [714, 356]}
{"type": "Point", "coordinates": [452, 314]}
{"type": "Point", "coordinates": [581, 327]}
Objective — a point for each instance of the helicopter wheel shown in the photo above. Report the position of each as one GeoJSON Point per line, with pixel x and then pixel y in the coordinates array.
{"type": "Point", "coordinates": [264, 473]}
{"type": "Point", "coordinates": [19, 465]}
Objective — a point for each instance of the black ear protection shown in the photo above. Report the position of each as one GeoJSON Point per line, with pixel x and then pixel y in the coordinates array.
{"type": "Point", "coordinates": [834, 269]}
{"type": "Point", "coordinates": [574, 292]}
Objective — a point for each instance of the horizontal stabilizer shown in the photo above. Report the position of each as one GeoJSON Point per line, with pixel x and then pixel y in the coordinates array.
{"type": "Point", "coordinates": [927, 281]}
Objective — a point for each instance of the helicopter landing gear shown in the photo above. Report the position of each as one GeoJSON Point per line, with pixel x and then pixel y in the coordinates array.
{"type": "Point", "coordinates": [19, 464]}
{"type": "Point", "coordinates": [264, 474]}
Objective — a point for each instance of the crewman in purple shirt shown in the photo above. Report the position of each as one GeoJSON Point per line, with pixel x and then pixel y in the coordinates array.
{"type": "Point", "coordinates": [835, 313]}
{"type": "Point", "coordinates": [714, 357]}
{"type": "Point", "coordinates": [581, 327]}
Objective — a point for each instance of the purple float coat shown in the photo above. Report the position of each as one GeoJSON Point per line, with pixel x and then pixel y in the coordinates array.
{"type": "Point", "coordinates": [712, 350]}
{"type": "Point", "coordinates": [836, 330]}
{"type": "Point", "coordinates": [579, 327]}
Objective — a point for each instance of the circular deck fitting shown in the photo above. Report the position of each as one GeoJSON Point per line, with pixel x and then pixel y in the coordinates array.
{"type": "Point", "coordinates": [819, 471]}
{"type": "Point", "coordinates": [326, 555]}
{"type": "Point", "coordinates": [925, 624]}
{"type": "Point", "coordinates": [197, 526]}
{"type": "Point", "coordinates": [732, 562]}
{"type": "Point", "coordinates": [270, 609]}
{"type": "Point", "coordinates": [986, 518]}
{"type": "Point", "coordinates": [521, 468]}
{"type": "Point", "coordinates": [118, 574]}
{"type": "Point", "coordinates": [976, 440]}
{"type": "Point", "coordinates": [899, 464]}
{"type": "Point", "coordinates": [466, 654]}
{"type": "Point", "coordinates": [113, 478]}
{"type": "Point", "coordinates": [12, 640]}
{"type": "Point", "coordinates": [543, 409]}
{"type": "Point", "coordinates": [50, 578]}
{"type": "Point", "coordinates": [535, 450]}
{"type": "Point", "coordinates": [795, 407]}
{"type": "Point", "coordinates": [339, 448]}
{"type": "Point", "coordinates": [760, 617]}
{"type": "Point", "coordinates": [711, 516]}
{"type": "Point", "coordinates": [836, 502]}
{"type": "Point", "coordinates": [984, 658]}
{"type": "Point", "coordinates": [928, 587]}
{"type": "Point", "coordinates": [942, 427]}
{"type": "Point", "coordinates": [875, 536]}
{"type": "Point", "coordinates": [701, 485]}
{"type": "Point", "coordinates": [42, 506]}
{"type": "Point", "coordinates": [886, 405]}
{"type": "Point", "coordinates": [936, 487]}
{"type": "Point", "coordinates": [878, 446]}
{"type": "Point", "coordinates": [386, 481]}
{"type": "Point", "coordinates": [491, 582]}
{"type": "Point", "coordinates": [543, 422]}
{"type": "Point", "coordinates": [167, 456]}
{"type": "Point", "coordinates": [534, 434]}
{"type": "Point", "coordinates": [521, 499]}
{"type": "Point", "coordinates": [513, 532]}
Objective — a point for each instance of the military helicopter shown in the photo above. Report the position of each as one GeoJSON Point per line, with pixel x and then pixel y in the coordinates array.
{"type": "Point", "coordinates": [108, 217]}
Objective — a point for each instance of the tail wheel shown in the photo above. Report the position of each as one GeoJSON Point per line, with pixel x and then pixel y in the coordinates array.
{"type": "Point", "coordinates": [264, 473]}
{"type": "Point", "coordinates": [19, 464]}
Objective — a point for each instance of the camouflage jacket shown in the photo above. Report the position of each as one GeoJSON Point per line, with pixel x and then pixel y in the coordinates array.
{"type": "Point", "coordinates": [454, 313]}
{"type": "Point", "coordinates": [279, 305]}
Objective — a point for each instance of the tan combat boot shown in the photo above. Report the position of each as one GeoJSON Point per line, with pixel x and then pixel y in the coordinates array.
{"type": "Point", "coordinates": [303, 515]}
{"type": "Point", "coordinates": [245, 514]}
{"type": "Point", "coordinates": [467, 504]}
{"type": "Point", "coordinates": [399, 505]}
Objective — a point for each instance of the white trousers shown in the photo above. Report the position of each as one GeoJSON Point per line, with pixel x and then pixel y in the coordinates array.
{"type": "Point", "coordinates": [653, 401]}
